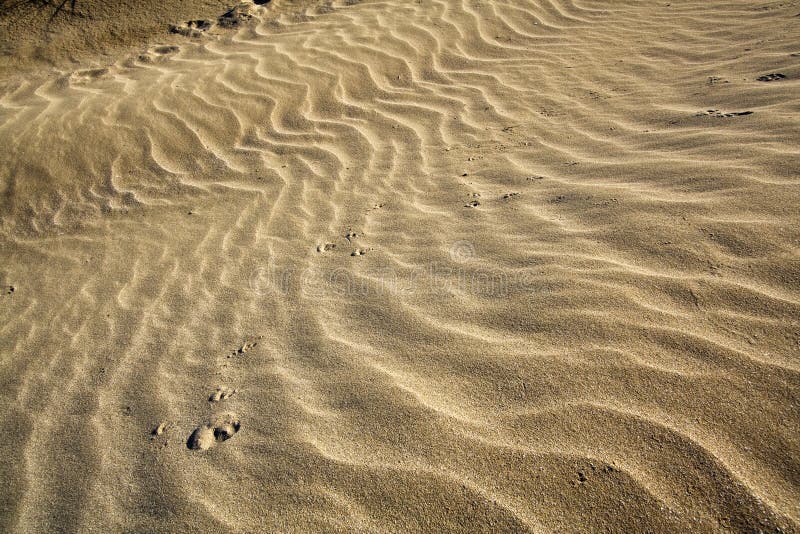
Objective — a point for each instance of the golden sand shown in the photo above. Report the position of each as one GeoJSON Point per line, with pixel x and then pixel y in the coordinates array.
{"type": "Point", "coordinates": [392, 266]}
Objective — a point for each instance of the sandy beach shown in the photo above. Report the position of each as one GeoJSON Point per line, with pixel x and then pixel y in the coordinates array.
{"type": "Point", "coordinates": [400, 266]}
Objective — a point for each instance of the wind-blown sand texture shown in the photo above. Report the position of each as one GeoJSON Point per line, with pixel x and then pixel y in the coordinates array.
{"type": "Point", "coordinates": [391, 266]}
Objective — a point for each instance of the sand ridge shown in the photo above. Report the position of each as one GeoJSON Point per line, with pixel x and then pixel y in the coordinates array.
{"type": "Point", "coordinates": [387, 266]}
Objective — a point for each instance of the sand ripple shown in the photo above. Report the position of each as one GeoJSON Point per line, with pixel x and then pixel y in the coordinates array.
{"type": "Point", "coordinates": [500, 265]}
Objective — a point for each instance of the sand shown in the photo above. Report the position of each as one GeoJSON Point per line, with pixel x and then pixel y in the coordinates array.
{"type": "Point", "coordinates": [392, 266]}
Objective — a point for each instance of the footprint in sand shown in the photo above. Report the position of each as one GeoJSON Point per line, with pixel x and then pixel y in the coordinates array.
{"type": "Point", "coordinates": [326, 247]}
{"type": "Point", "coordinates": [8, 290]}
{"type": "Point", "coordinates": [235, 16]}
{"type": "Point", "coordinates": [244, 347]}
{"type": "Point", "coordinates": [509, 195]}
{"type": "Point", "coordinates": [159, 430]}
{"type": "Point", "coordinates": [221, 393]}
{"type": "Point", "coordinates": [163, 50]}
{"type": "Point", "coordinates": [359, 252]}
{"type": "Point", "coordinates": [718, 114]}
{"type": "Point", "coordinates": [209, 434]}
{"type": "Point", "coordinates": [158, 435]}
{"type": "Point", "coordinates": [91, 73]}
{"type": "Point", "coordinates": [472, 204]}
{"type": "Point", "coordinates": [191, 28]}
{"type": "Point", "coordinates": [772, 77]}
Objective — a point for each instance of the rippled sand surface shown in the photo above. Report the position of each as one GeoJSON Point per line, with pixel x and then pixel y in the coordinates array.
{"type": "Point", "coordinates": [444, 265]}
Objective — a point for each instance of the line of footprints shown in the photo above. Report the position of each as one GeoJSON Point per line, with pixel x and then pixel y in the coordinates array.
{"type": "Point", "coordinates": [219, 428]}
{"type": "Point", "coordinates": [351, 237]}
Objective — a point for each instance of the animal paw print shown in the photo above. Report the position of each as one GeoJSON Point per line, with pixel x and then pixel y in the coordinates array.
{"type": "Point", "coordinates": [210, 433]}
{"type": "Point", "coordinates": [235, 16]}
{"type": "Point", "coordinates": [166, 49]}
{"type": "Point", "coordinates": [221, 393]}
{"type": "Point", "coordinates": [772, 77]}
{"type": "Point", "coordinates": [158, 434]}
{"type": "Point", "coordinates": [244, 348]}
{"type": "Point", "coordinates": [191, 28]}
{"type": "Point", "coordinates": [718, 114]}
{"type": "Point", "coordinates": [159, 430]}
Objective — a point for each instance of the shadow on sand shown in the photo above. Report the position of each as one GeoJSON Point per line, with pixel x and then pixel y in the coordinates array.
{"type": "Point", "coordinates": [58, 6]}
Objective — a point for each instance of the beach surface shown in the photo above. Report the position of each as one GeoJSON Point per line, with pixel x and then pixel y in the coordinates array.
{"type": "Point", "coordinates": [400, 266]}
